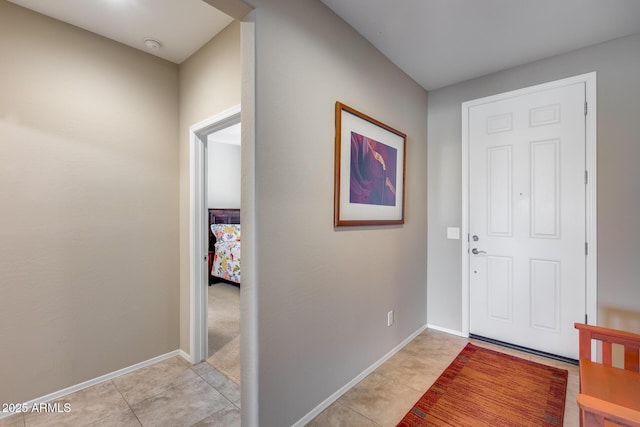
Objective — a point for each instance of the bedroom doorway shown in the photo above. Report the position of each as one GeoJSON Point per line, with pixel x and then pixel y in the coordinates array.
{"type": "Point", "coordinates": [207, 138]}
{"type": "Point", "coordinates": [223, 177]}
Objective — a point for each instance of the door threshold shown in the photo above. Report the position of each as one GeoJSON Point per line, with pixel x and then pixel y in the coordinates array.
{"type": "Point", "coordinates": [525, 349]}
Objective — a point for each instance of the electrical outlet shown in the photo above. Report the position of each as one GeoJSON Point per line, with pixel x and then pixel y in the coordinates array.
{"type": "Point", "coordinates": [390, 318]}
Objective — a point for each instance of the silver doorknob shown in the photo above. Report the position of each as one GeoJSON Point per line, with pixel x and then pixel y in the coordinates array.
{"type": "Point", "coordinates": [475, 251]}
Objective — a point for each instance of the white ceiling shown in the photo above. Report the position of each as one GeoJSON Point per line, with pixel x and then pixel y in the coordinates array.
{"type": "Point", "coordinates": [441, 42]}
{"type": "Point", "coordinates": [181, 26]}
{"type": "Point", "coordinates": [436, 42]}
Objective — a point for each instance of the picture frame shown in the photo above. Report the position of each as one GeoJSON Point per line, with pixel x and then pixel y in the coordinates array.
{"type": "Point", "coordinates": [370, 169]}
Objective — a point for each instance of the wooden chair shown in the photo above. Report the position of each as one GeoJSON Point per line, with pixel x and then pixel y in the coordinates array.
{"type": "Point", "coordinates": [608, 395]}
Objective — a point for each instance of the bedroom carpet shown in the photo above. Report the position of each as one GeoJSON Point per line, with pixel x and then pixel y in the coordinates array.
{"type": "Point", "coordinates": [482, 387]}
{"type": "Point", "coordinates": [224, 329]}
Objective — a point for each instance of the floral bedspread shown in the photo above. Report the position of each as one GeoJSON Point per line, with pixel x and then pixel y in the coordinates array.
{"type": "Point", "coordinates": [226, 261]}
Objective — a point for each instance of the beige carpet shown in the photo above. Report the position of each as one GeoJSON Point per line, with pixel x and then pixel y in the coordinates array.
{"type": "Point", "coordinates": [224, 329]}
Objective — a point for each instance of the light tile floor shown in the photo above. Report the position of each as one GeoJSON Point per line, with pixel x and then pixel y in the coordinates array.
{"type": "Point", "coordinates": [174, 393]}
{"type": "Point", "coordinates": [168, 393]}
{"type": "Point", "coordinates": [383, 397]}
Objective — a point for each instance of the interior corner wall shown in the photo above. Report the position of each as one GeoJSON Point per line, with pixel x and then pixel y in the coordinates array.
{"type": "Point", "coordinates": [324, 292]}
{"type": "Point", "coordinates": [617, 64]}
{"type": "Point", "coordinates": [89, 217]}
{"type": "Point", "coordinates": [209, 84]}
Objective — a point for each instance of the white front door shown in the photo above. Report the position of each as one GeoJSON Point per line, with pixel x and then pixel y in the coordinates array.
{"type": "Point", "coordinates": [527, 219]}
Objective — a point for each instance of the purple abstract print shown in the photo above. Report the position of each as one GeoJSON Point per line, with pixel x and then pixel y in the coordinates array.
{"type": "Point", "coordinates": [373, 172]}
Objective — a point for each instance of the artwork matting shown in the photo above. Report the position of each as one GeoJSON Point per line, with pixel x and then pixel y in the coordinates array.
{"type": "Point", "coordinates": [369, 177]}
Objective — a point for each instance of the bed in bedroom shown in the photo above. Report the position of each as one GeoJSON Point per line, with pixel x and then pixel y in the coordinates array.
{"type": "Point", "coordinates": [224, 246]}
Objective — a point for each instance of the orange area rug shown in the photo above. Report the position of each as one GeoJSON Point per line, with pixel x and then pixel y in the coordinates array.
{"type": "Point", "coordinates": [486, 388]}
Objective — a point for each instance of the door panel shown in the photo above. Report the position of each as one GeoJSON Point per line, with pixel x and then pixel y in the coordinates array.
{"type": "Point", "coordinates": [527, 209]}
{"type": "Point", "coordinates": [545, 189]}
{"type": "Point", "coordinates": [500, 287]}
{"type": "Point", "coordinates": [500, 193]}
{"type": "Point", "coordinates": [545, 294]}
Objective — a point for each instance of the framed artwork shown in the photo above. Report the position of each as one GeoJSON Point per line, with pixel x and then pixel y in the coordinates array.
{"type": "Point", "coordinates": [369, 170]}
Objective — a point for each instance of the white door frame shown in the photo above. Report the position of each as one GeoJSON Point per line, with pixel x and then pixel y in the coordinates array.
{"type": "Point", "coordinates": [591, 224]}
{"type": "Point", "coordinates": [198, 236]}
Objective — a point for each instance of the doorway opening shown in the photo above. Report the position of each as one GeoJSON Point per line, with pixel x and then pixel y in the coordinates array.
{"type": "Point", "coordinates": [221, 123]}
{"type": "Point", "coordinates": [223, 172]}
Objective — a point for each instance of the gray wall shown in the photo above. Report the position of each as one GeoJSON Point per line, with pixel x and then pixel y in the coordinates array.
{"type": "Point", "coordinates": [89, 216]}
{"type": "Point", "coordinates": [323, 294]}
{"type": "Point", "coordinates": [617, 64]}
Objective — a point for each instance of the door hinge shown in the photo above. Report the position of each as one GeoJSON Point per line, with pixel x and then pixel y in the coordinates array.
{"type": "Point", "coordinates": [585, 108]}
{"type": "Point", "coordinates": [586, 248]}
{"type": "Point", "coordinates": [586, 177]}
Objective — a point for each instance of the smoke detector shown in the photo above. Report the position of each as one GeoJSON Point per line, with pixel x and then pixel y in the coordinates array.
{"type": "Point", "coordinates": [152, 44]}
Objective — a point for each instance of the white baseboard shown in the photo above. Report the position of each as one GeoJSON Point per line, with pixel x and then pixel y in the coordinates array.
{"type": "Point", "coordinates": [185, 356]}
{"type": "Point", "coordinates": [448, 331]}
{"type": "Point", "coordinates": [61, 393]}
{"type": "Point", "coordinates": [335, 396]}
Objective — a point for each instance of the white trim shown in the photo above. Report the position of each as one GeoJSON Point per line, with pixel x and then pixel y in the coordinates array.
{"type": "Point", "coordinates": [249, 290]}
{"type": "Point", "coordinates": [198, 240]}
{"type": "Point", "coordinates": [446, 330]}
{"type": "Point", "coordinates": [184, 355]}
{"type": "Point", "coordinates": [465, 222]}
{"type": "Point", "coordinates": [335, 396]}
{"type": "Point", "coordinates": [591, 189]}
{"type": "Point", "coordinates": [591, 199]}
{"type": "Point", "coordinates": [95, 381]}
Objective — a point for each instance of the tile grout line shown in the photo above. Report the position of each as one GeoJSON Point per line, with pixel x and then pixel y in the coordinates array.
{"type": "Point", "coordinates": [422, 392]}
{"type": "Point", "coordinates": [391, 378]}
{"type": "Point", "coordinates": [346, 405]}
{"type": "Point", "coordinates": [162, 389]}
{"type": "Point", "coordinates": [214, 387]}
{"type": "Point", "coordinates": [188, 366]}
{"type": "Point", "coordinates": [127, 402]}
{"type": "Point", "coordinates": [357, 412]}
{"type": "Point", "coordinates": [173, 386]}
